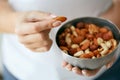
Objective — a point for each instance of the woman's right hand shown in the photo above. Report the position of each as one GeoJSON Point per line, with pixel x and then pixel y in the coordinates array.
{"type": "Point", "coordinates": [33, 29]}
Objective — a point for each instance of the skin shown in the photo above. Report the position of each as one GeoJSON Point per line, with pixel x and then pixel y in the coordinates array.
{"type": "Point", "coordinates": [32, 29]}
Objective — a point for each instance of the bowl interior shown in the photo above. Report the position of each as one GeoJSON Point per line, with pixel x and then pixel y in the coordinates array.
{"type": "Point", "coordinates": [97, 21]}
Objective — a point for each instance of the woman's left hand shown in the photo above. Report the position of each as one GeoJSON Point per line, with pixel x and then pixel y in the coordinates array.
{"type": "Point", "coordinates": [79, 71]}
{"type": "Point", "coordinates": [85, 72]}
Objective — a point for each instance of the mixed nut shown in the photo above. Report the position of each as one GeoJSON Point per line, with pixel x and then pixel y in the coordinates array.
{"type": "Point", "coordinates": [87, 40]}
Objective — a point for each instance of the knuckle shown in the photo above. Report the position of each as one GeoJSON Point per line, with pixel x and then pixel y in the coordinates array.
{"type": "Point", "coordinates": [35, 28]}
{"type": "Point", "coordinates": [42, 37]}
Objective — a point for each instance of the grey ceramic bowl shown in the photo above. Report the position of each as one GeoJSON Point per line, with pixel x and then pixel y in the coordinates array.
{"type": "Point", "coordinates": [90, 63]}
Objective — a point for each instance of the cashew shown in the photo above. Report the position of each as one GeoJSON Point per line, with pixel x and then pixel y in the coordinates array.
{"type": "Point", "coordinates": [108, 44]}
{"type": "Point", "coordinates": [100, 49]}
{"type": "Point", "coordinates": [114, 42]}
{"type": "Point", "coordinates": [68, 39]}
{"type": "Point", "coordinates": [83, 42]}
{"type": "Point", "coordinates": [74, 46]}
{"type": "Point", "coordinates": [99, 41]}
{"type": "Point", "coordinates": [93, 29]}
{"type": "Point", "coordinates": [77, 54]}
{"type": "Point", "coordinates": [105, 49]}
{"type": "Point", "coordinates": [87, 50]}
{"type": "Point", "coordinates": [73, 31]}
{"type": "Point", "coordinates": [93, 57]}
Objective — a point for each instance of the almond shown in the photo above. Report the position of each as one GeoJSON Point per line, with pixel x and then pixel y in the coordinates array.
{"type": "Point", "coordinates": [107, 36]}
{"type": "Point", "coordinates": [72, 51]}
{"type": "Point", "coordinates": [60, 18]}
{"type": "Point", "coordinates": [85, 56]}
{"type": "Point", "coordinates": [77, 40]}
{"type": "Point", "coordinates": [64, 48]}
{"type": "Point", "coordinates": [103, 30]}
{"type": "Point", "coordinates": [93, 47]}
{"type": "Point", "coordinates": [85, 45]}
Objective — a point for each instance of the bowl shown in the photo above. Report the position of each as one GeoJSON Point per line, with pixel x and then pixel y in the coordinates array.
{"type": "Point", "coordinates": [86, 63]}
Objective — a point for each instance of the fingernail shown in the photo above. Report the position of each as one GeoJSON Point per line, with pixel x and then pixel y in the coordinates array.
{"type": "Point", "coordinates": [84, 72]}
{"type": "Point", "coordinates": [74, 70]}
{"type": "Point", "coordinates": [53, 15]}
{"type": "Point", "coordinates": [69, 67]}
{"type": "Point", "coordinates": [56, 23]}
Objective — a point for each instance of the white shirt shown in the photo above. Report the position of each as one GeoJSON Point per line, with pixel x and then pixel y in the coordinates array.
{"type": "Point", "coordinates": [27, 65]}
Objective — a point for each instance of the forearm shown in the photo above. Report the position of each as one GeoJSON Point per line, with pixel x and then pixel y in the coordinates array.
{"type": "Point", "coordinates": [113, 13]}
{"type": "Point", "coordinates": [7, 17]}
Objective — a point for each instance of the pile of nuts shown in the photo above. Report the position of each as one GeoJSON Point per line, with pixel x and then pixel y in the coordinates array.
{"type": "Point", "coordinates": [87, 40]}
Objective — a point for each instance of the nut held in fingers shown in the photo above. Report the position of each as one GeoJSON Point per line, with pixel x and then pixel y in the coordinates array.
{"type": "Point", "coordinates": [60, 18]}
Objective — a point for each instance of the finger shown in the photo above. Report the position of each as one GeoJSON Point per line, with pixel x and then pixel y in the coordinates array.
{"type": "Point", "coordinates": [64, 63]}
{"type": "Point", "coordinates": [36, 16]}
{"type": "Point", "coordinates": [110, 63]}
{"type": "Point", "coordinates": [45, 43]}
{"type": "Point", "coordinates": [41, 49]}
{"type": "Point", "coordinates": [32, 38]}
{"type": "Point", "coordinates": [47, 24]}
{"type": "Point", "coordinates": [69, 67]}
{"type": "Point", "coordinates": [31, 28]}
{"type": "Point", "coordinates": [77, 70]}
{"type": "Point", "coordinates": [90, 72]}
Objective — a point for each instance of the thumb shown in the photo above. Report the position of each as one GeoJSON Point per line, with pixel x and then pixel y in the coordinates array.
{"type": "Point", "coordinates": [46, 24]}
{"type": "Point", "coordinates": [49, 23]}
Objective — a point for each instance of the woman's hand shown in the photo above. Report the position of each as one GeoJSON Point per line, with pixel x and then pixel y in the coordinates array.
{"type": "Point", "coordinates": [33, 30]}
{"type": "Point", "coordinates": [79, 71]}
{"type": "Point", "coordinates": [84, 72]}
